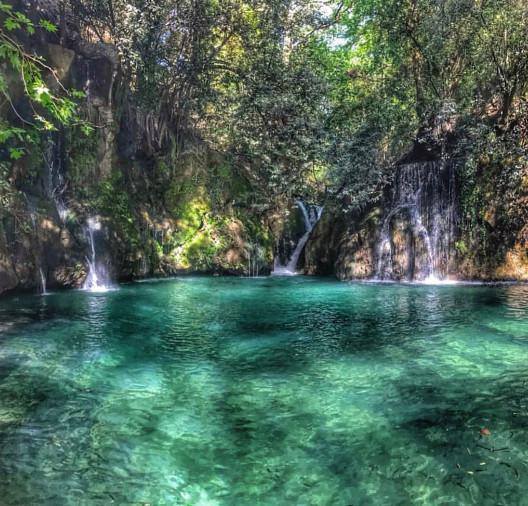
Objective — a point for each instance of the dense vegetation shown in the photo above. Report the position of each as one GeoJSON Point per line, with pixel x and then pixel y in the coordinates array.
{"type": "Point", "coordinates": [268, 101]}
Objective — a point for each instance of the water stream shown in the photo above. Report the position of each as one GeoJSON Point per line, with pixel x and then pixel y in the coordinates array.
{"type": "Point", "coordinates": [43, 289]}
{"type": "Point", "coordinates": [417, 235]}
{"type": "Point", "coordinates": [97, 278]}
{"type": "Point", "coordinates": [311, 215]}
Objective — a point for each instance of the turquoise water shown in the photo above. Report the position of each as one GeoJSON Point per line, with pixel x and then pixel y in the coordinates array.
{"type": "Point", "coordinates": [224, 391]}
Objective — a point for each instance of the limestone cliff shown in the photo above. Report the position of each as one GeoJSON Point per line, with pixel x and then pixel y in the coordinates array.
{"type": "Point", "coordinates": [159, 214]}
{"type": "Point", "coordinates": [447, 223]}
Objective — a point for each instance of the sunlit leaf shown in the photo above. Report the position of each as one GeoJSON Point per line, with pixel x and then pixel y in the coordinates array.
{"type": "Point", "coordinates": [16, 153]}
{"type": "Point", "coordinates": [49, 27]}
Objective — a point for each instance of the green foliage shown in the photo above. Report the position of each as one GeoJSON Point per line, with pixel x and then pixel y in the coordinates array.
{"type": "Point", "coordinates": [49, 27]}
{"type": "Point", "coordinates": [49, 109]}
{"type": "Point", "coordinates": [16, 153]}
{"type": "Point", "coordinates": [397, 72]}
{"type": "Point", "coordinates": [461, 247]}
{"type": "Point", "coordinates": [8, 132]}
{"type": "Point", "coordinates": [493, 172]}
{"type": "Point", "coordinates": [238, 72]}
{"type": "Point", "coordinates": [213, 221]}
{"type": "Point", "coordinates": [113, 201]}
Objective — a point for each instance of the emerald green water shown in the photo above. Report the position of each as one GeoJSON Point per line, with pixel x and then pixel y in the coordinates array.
{"type": "Point", "coordinates": [223, 391]}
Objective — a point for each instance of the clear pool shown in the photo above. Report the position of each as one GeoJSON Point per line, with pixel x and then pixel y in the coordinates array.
{"type": "Point", "coordinates": [274, 391]}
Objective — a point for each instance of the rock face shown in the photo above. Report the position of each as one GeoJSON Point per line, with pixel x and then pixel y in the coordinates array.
{"type": "Point", "coordinates": [8, 277]}
{"type": "Point", "coordinates": [409, 236]}
{"type": "Point", "coordinates": [417, 235]}
{"type": "Point", "coordinates": [290, 229]}
{"type": "Point", "coordinates": [343, 246]}
{"type": "Point", "coordinates": [293, 235]}
{"type": "Point", "coordinates": [418, 231]}
{"type": "Point", "coordinates": [155, 218]}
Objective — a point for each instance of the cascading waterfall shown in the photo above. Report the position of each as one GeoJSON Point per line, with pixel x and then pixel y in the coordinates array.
{"type": "Point", "coordinates": [43, 289]}
{"type": "Point", "coordinates": [255, 258]}
{"type": "Point", "coordinates": [96, 281]}
{"type": "Point", "coordinates": [311, 215]}
{"type": "Point", "coordinates": [423, 197]}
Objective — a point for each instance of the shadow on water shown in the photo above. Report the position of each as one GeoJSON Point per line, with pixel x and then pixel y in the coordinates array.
{"type": "Point", "coordinates": [295, 391]}
{"type": "Point", "coordinates": [446, 424]}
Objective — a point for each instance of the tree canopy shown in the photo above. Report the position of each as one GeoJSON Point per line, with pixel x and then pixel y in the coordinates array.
{"type": "Point", "coordinates": [307, 96]}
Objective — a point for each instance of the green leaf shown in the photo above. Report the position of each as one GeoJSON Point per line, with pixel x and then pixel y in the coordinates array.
{"type": "Point", "coordinates": [7, 132]}
{"type": "Point", "coordinates": [87, 129]}
{"type": "Point", "coordinates": [11, 24]}
{"type": "Point", "coordinates": [78, 94]}
{"type": "Point", "coordinates": [5, 135]}
{"type": "Point", "coordinates": [14, 59]}
{"type": "Point", "coordinates": [16, 153]}
{"type": "Point", "coordinates": [5, 7]}
{"type": "Point", "coordinates": [22, 18]}
{"type": "Point", "coordinates": [49, 27]}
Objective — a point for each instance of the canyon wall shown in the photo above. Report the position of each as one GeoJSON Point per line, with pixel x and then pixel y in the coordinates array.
{"type": "Point", "coordinates": [432, 223]}
{"type": "Point", "coordinates": [156, 215]}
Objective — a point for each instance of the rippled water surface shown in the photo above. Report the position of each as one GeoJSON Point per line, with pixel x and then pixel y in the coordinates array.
{"type": "Point", "coordinates": [222, 391]}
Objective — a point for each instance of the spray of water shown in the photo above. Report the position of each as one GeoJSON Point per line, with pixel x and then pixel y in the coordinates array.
{"type": "Point", "coordinates": [97, 279]}
{"type": "Point", "coordinates": [311, 215]}
{"type": "Point", "coordinates": [424, 194]}
{"type": "Point", "coordinates": [43, 289]}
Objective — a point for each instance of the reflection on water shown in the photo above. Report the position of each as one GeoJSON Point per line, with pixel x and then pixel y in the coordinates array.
{"type": "Point", "coordinates": [269, 391]}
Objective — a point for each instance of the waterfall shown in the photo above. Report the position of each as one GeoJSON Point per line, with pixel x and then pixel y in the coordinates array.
{"type": "Point", "coordinates": [311, 215]}
{"type": "Point", "coordinates": [424, 201]}
{"type": "Point", "coordinates": [96, 281]}
{"type": "Point", "coordinates": [253, 259]}
{"type": "Point", "coordinates": [43, 290]}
